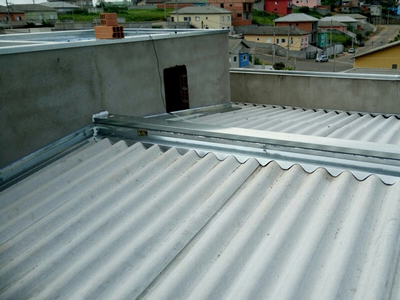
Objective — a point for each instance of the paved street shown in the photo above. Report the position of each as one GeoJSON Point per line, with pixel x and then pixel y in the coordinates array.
{"type": "Point", "coordinates": [344, 61]}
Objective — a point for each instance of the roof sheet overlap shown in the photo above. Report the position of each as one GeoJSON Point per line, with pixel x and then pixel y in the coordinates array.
{"type": "Point", "coordinates": [324, 123]}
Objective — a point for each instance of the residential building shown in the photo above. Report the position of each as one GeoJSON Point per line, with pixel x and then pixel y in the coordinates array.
{"type": "Point", "coordinates": [204, 17]}
{"type": "Point", "coordinates": [279, 7]}
{"type": "Point", "coordinates": [341, 19]}
{"type": "Point", "coordinates": [336, 25]}
{"type": "Point", "coordinates": [36, 12]}
{"type": "Point", "coordinates": [384, 57]}
{"type": "Point", "coordinates": [301, 21]}
{"type": "Point", "coordinates": [62, 7]}
{"type": "Point", "coordinates": [286, 37]}
{"type": "Point", "coordinates": [376, 10]}
{"type": "Point", "coordinates": [241, 10]}
{"type": "Point", "coordinates": [358, 17]}
{"type": "Point", "coordinates": [15, 17]}
{"type": "Point", "coordinates": [238, 53]}
{"type": "Point", "coordinates": [80, 3]}
{"type": "Point", "coordinates": [322, 39]}
{"type": "Point", "coordinates": [307, 3]}
{"type": "Point", "coordinates": [181, 4]}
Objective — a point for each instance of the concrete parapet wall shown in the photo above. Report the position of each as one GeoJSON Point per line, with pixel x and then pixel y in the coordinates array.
{"type": "Point", "coordinates": [48, 94]}
{"type": "Point", "coordinates": [335, 91]}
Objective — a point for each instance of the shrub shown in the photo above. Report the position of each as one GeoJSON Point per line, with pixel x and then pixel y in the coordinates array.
{"type": "Point", "coordinates": [304, 9]}
{"type": "Point", "coordinates": [279, 66]}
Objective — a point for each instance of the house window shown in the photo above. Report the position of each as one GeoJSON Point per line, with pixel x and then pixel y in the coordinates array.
{"type": "Point", "coordinates": [297, 24]}
{"type": "Point", "coordinates": [277, 41]}
{"type": "Point", "coordinates": [239, 15]}
{"type": "Point", "coordinates": [223, 27]}
{"type": "Point", "coordinates": [276, 2]}
{"type": "Point", "coordinates": [52, 17]}
{"type": "Point", "coordinates": [222, 18]}
{"type": "Point", "coordinates": [394, 66]}
{"type": "Point", "coordinates": [268, 40]}
{"type": "Point", "coordinates": [244, 57]}
{"type": "Point", "coordinates": [228, 27]}
{"type": "Point", "coordinates": [291, 40]}
{"type": "Point", "coordinates": [206, 18]}
{"type": "Point", "coordinates": [5, 18]}
{"type": "Point", "coordinates": [187, 19]}
{"type": "Point", "coordinates": [197, 19]}
{"type": "Point", "coordinates": [19, 18]}
{"type": "Point", "coordinates": [176, 88]}
{"type": "Point", "coordinates": [275, 9]}
{"type": "Point", "coordinates": [228, 18]}
{"type": "Point", "coordinates": [234, 58]}
{"type": "Point", "coordinates": [283, 40]}
{"type": "Point", "coordinates": [258, 39]}
{"type": "Point", "coordinates": [221, 5]}
{"type": "Point", "coordinates": [230, 5]}
{"type": "Point", "coordinates": [40, 17]}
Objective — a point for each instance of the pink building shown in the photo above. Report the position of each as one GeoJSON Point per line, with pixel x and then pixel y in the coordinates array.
{"type": "Point", "coordinates": [309, 3]}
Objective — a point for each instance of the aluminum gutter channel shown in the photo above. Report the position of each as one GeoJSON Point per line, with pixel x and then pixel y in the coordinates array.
{"type": "Point", "coordinates": [109, 221]}
{"type": "Point", "coordinates": [44, 156]}
{"type": "Point", "coordinates": [361, 158]}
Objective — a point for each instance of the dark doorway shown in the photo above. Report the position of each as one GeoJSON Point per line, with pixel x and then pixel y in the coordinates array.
{"type": "Point", "coordinates": [176, 88]}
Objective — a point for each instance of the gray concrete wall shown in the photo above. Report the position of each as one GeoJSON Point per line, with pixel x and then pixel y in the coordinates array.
{"type": "Point", "coordinates": [264, 48]}
{"type": "Point", "coordinates": [347, 93]}
{"type": "Point", "coordinates": [46, 95]}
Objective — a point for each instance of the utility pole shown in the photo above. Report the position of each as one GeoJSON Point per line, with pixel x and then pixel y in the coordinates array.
{"type": "Point", "coordinates": [331, 34]}
{"type": "Point", "coordinates": [287, 50]}
{"type": "Point", "coordinates": [165, 10]}
{"type": "Point", "coordinates": [177, 13]}
{"type": "Point", "coordinates": [9, 14]}
{"type": "Point", "coordinates": [273, 45]}
{"type": "Point", "coordinates": [388, 16]}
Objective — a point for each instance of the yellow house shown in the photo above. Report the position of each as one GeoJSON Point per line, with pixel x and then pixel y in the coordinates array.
{"type": "Point", "coordinates": [206, 17]}
{"type": "Point", "coordinates": [385, 57]}
{"type": "Point", "coordinates": [280, 35]}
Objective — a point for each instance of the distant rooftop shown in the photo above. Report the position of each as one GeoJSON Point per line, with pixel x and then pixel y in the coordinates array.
{"type": "Point", "coordinates": [59, 4]}
{"type": "Point", "coordinates": [354, 16]}
{"type": "Point", "coordinates": [268, 30]}
{"type": "Point", "coordinates": [300, 17]}
{"type": "Point", "coordinates": [31, 7]}
{"type": "Point", "coordinates": [3, 9]}
{"type": "Point", "coordinates": [202, 10]}
{"type": "Point", "coordinates": [374, 71]}
{"type": "Point", "coordinates": [379, 49]}
{"type": "Point", "coordinates": [343, 19]}
{"type": "Point", "coordinates": [329, 23]}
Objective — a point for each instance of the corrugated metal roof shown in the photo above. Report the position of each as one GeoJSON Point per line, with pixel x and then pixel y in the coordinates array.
{"type": "Point", "coordinates": [324, 123]}
{"type": "Point", "coordinates": [118, 222]}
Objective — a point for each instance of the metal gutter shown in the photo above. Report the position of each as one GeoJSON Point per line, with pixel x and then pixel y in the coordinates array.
{"type": "Point", "coordinates": [43, 157]}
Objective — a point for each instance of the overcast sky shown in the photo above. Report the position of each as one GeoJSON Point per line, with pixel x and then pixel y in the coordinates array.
{"type": "Point", "coordinates": [3, 2]}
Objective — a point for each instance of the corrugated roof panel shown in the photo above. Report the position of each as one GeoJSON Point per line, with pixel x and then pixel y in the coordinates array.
{"type": "Point", "coordinates": [111, 221]}
{"type": "Point", "coordinates": [341, 125]}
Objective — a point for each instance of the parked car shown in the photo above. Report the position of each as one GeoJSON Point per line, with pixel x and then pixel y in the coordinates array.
{"type": "Point", "coordinates": [322, 58]}
{"type": "Point", "coordinates": [361, 44]}
{"type": "Point", "coordinates": [352, 50]}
